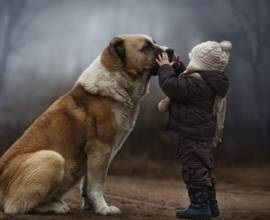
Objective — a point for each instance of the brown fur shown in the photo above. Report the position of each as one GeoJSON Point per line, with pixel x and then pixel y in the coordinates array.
{"type": "Point", "coordinates": [63, 128]}
{"type": "Point", "coordinates": [74, 135]}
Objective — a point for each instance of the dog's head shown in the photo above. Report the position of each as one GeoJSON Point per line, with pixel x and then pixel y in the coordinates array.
{"type": "Point", "coordinates": [134, 54]}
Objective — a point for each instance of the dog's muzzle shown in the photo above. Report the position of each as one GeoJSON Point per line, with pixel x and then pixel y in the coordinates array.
{"type": "Point", "coordinates": [170, 53]}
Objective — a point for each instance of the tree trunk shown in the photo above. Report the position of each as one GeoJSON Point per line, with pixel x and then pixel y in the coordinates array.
{"type": "Point", "coordinates": [3, 65]}
{"type": "Point", "coordinates": [14, 9]}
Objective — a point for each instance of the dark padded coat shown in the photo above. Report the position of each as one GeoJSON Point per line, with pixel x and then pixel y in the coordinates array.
{"type": "Point", "coordinates": [191, 101]}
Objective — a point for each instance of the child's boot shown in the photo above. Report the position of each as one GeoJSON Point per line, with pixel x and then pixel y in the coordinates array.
{"type": "Point", "coordinates": [213, 202]}
{"type": "Point", "coordinates": [199, 208]}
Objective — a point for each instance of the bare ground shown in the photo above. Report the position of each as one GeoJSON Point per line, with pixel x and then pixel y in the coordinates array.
{"type": "Point", "coordinates": [142, 199]}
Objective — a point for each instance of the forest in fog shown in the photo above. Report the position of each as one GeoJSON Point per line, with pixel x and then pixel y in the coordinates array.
{"type": "Point", "coordinates": [46, 44]}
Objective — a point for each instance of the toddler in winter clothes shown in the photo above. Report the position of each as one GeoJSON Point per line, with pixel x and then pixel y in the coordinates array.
{"type": "Point", "coordinates": [196, 104]}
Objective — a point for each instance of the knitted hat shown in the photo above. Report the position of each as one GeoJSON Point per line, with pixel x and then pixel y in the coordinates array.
{"type": "Point", "coordinates": [209, 56]}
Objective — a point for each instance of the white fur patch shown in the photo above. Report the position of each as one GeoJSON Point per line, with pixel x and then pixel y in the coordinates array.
{"type": "Point", "coordinates": [163, 47]}
{"type": "Point", "coordinates": [96, 196]}
{"type": "Point", "coordinates": [98, 80]}
{"type": "Point", "coordinates": [99, 203]}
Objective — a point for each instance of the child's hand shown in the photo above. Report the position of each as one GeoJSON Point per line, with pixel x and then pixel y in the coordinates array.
{"type": "Point", "coordinates": [163, 59]}
{"type": "Point", "coordinates": [176, 60]}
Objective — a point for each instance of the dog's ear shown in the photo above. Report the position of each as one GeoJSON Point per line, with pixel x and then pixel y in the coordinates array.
{"type": "Point", "coordinates": [117, 47]}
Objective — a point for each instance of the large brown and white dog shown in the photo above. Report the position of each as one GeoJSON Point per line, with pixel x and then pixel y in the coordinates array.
{"type": "Point", "coordinates": [78, 136]}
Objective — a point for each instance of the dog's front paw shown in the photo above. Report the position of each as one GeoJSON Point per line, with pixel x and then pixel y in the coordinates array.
{"type": "Point", "coordinates": [108, 210]}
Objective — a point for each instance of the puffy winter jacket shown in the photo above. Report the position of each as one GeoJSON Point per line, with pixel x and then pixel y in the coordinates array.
{"type": "Point", "coordinates": [191, 101]}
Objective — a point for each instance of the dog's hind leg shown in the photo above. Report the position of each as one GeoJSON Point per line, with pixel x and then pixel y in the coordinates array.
{"type": "Point", "coordinates": [53, 206]}
{"type": "Point", "coordinates": [34, 181]}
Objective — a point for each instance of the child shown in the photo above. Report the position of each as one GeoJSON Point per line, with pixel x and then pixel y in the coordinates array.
{"type": "Point", "coordinates": [193, 99]}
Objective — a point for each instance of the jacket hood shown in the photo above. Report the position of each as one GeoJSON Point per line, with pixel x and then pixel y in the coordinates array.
{"type": "Point", "coordinates": [218, 81]}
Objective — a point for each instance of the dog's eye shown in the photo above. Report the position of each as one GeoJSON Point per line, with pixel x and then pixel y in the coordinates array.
{"type": "Point", "coordinates": [148, 46]}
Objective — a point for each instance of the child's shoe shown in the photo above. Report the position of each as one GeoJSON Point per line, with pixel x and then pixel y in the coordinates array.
{"type": "Point", "coordinates": [213, 203]}
{"type": "Point", "coordinates": [199, 208]}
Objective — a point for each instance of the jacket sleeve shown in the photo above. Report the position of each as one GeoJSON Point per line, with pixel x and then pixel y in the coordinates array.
{"type": "Point", "coordinates": [179, 68]}
{"type": "Point", "coordinates": [174, 87]}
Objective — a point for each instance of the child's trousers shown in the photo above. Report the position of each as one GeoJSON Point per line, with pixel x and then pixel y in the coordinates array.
{"type": "Point", "coordinates": [197, 163]}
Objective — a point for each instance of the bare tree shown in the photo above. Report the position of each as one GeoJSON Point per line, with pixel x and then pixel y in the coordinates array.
{"type": "Point", "coordinates": [255, 35]}
{"type": "Point", "coordinates": [16, 20]}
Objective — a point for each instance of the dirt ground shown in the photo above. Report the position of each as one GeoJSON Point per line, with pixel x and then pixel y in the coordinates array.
{"type": "Point", "coordinates": [144, 199]}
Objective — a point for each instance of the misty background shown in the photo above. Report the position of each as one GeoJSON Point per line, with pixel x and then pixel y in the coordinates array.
{"type": "Point", "coordinates": [46, 44]}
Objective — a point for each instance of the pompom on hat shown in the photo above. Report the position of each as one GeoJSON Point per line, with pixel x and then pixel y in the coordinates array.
{"type": "Point", "coordinates": [209, 56]}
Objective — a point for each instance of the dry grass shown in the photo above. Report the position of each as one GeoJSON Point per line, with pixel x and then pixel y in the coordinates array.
{"type": "Point", "coordinates": [248, 176]}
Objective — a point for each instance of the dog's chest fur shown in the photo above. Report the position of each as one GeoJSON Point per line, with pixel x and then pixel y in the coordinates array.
{"type": "Point", "coordinates": [96, 79]}
{"type": "Point", "coordinates": [125, 120]}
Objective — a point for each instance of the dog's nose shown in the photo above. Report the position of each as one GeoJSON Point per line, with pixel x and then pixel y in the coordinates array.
{"type": "Point", "coordinates": [169, 50]}
{"type": "Point", "coordinates": [170, 53]}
